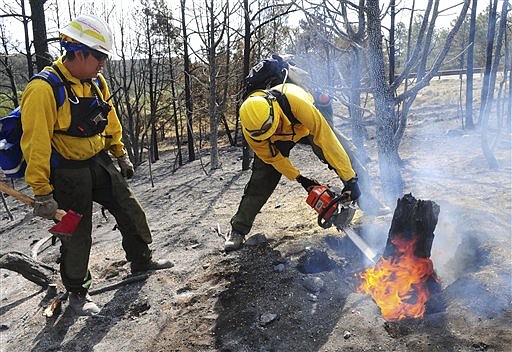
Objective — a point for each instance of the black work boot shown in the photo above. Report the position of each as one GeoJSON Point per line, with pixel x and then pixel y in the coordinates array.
{"type": "Point", "coordinates": [234, 241]}
{"type": "Point", "coordinates": [140, 267]}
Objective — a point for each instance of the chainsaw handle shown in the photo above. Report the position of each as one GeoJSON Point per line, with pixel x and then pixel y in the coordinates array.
{"type": "Point", "coordinates": [324, 223]}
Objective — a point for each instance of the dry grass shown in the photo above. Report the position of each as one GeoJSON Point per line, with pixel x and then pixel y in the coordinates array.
{"type": "Point", "coordinates": [448, 92]}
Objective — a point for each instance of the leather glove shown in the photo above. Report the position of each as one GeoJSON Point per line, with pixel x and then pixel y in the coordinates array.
{"type": "Point", "coordinates": [307, 183]}
{"type": "Point", "coordinates": [126, 166]}
{"type": "Point", "coordinates": [45, 206]}
{"type": "Point", "coordinates": [351, 189]}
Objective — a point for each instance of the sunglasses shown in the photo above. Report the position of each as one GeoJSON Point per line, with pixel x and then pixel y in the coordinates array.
{"type": "Point", "coordinates": [98, 55]}
{"type": "Point", "coordinates": [266, 125]}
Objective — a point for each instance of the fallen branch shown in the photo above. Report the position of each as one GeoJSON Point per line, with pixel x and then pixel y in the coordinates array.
{"type": "Point", "coordinates": [11, 217]}
{"type": "Point", "coordinates": [38, 245]}
{"type": "Point", "coordinates": [219, 232]}
{"type": "Point", "coordinates": [55, 305]}
{"type": "Point", "coordinates": [32, 270]}
{"type": "Point", "coordinates": [113, 286]}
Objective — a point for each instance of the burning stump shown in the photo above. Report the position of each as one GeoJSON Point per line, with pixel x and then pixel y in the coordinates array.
{"type": "Point", "coordinates": [413, 220]}
{"type": "Point", "coordinates": [403, 280]}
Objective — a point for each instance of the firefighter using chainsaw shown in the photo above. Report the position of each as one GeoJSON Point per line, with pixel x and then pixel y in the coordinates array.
{"type": "Point", "coordinates": [272, 132]}
{"type": "Point", "coordinates": [68, 165]}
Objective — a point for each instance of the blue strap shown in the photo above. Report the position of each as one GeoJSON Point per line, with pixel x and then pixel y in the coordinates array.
{"type": "Point", "coordinates": [59, 87]}
{"type": "Point", "coordinates": [59, 91]}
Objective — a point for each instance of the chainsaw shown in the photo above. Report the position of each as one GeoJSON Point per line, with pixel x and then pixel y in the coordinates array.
{"type": "Point", "coordinates": [336, 208]}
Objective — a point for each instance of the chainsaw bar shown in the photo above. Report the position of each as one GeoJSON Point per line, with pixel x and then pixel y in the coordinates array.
{"type": "Point", "coordinates": [334, 208]}
{"type": "Point", "coordinates": [342, 220]}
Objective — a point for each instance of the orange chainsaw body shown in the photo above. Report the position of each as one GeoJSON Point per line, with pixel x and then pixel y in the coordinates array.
{"type": "Point", "coordinates": [319, 198]}
{"type": "Point", "coordinates": [335, 208]}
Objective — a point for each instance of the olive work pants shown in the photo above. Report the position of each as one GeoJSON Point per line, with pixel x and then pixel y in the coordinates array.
{"type": "Point", "coordinates": [261, 185]}
{"type": "Point", "coordinates": [76, 187]}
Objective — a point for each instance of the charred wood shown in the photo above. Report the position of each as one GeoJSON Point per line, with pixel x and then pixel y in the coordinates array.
{"type": "Point", "coordinates": [32, 270]}
{"type": "Point", "coordinates": [415, 220]}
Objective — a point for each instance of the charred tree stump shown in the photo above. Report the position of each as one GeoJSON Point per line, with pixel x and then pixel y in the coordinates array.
{"type": "Point", "coordinates": [403, 282]}
{"type": "Point", "coordinates": [413, 219]}
{"type": "Point", "coordinates": [416, 220]}
{"type": "Point", "coordinates": [32, 270]}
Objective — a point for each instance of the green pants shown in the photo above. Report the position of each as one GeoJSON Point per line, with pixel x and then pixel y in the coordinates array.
{"type": "Point", "coordinates": [261, 185]}
{"type": "Point", "coordinates": [263, 182]}
{"type": "Point", "coordinates": [76, 187]}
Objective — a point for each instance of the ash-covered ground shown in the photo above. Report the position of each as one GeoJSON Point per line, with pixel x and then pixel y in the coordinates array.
{"type": "Point", "coordinates": [293, 286]}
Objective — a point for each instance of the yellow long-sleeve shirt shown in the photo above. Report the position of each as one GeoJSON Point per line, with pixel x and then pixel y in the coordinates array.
{"type": "Point", "coordinates": [311, 123]}
{"type": "Point", "coordinates": [40, 119]}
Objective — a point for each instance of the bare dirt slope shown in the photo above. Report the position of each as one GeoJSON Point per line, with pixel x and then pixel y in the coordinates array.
{"type": "Point", "coordinates": [293, 286]}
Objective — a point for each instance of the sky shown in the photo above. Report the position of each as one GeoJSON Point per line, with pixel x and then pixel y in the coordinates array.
{"type": "Point", "coordinates": [447, 14]}
{"type": "Point", "coordinates": [15, 29]}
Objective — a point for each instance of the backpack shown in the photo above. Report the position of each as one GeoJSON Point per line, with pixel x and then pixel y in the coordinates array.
{"type": "Point", "coordinates": [12, 162]}
{"type": "Point", "coordinates": [272, 71]}
{"type": "Point", "coordinates": [276, 70]}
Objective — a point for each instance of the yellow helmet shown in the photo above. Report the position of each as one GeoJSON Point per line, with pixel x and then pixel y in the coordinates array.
{"type": "Point", "coordinates": [258, 117]}
{"type": "Point", "coordinates": [90, 31]}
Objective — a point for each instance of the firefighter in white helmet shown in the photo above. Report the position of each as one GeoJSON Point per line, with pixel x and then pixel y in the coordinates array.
{"type": "Point", "coordinates": [67, 146]}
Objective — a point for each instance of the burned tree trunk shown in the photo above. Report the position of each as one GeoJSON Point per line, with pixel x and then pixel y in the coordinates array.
{"type": "Point", "coordinates": [403, 283]}
{"type": "Point", "coordinates": [413, 220]}
{"type": "Point", "coordinates": [32, 270]}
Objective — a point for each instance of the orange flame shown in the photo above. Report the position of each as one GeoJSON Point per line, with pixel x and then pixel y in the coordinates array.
{"type": "Point", "coordinates": [398, 284]}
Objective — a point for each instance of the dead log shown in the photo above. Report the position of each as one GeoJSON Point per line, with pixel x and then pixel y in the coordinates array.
{"type": "Point", "coordinates": [32, 270]}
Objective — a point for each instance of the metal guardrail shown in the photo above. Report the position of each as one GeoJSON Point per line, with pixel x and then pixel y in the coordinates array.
{"type": "Point", "coordinates": [449, 72]}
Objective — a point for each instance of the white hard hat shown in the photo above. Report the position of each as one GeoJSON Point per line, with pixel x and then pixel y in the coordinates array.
{"type": "Point", "coordinates": [90, 31]}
